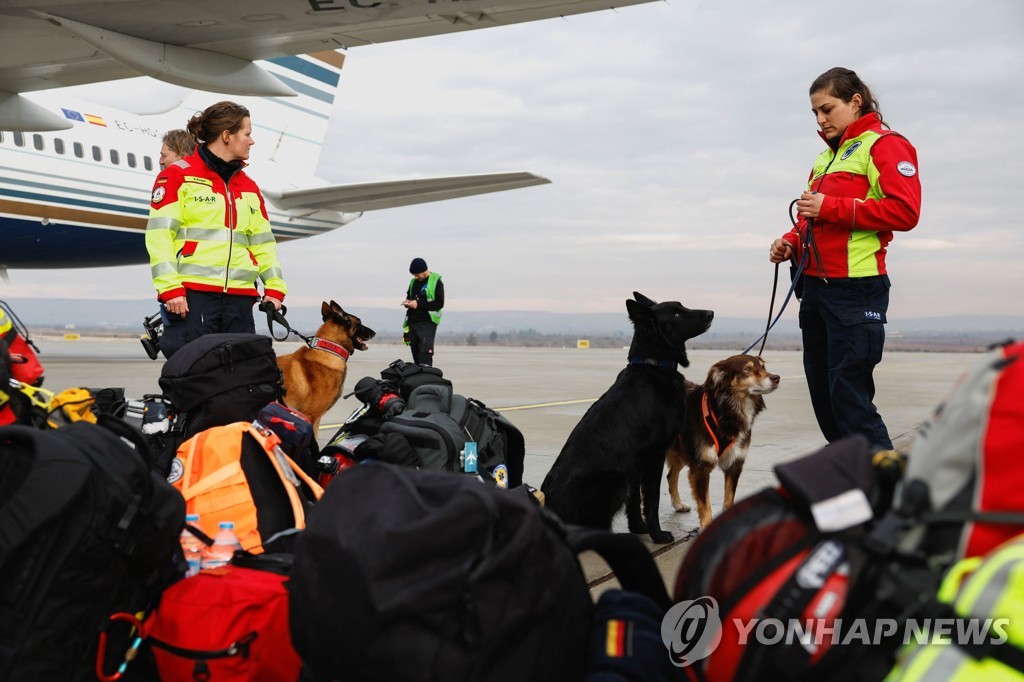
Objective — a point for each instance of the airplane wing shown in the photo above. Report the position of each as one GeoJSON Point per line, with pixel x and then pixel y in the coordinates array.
{"type": "Point", "coordinates": [372, 196]}
{"type": "Point", "coordinates": [56, 43]}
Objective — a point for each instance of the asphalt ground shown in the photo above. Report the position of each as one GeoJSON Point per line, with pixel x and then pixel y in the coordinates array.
{"type": "Point", "coordinates": [545, 391]}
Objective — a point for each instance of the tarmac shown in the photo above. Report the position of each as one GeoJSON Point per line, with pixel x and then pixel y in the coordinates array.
{"type": "Point", "coordinates": [545, 392]}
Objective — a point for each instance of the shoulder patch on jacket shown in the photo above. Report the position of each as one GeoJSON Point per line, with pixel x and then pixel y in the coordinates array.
{"type": "Point", "coordinates": [906, 168]}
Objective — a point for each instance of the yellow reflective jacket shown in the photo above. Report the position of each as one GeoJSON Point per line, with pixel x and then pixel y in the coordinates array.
{"type": "Point", "coordinates": [987, 597]}
{"type": "Point", "coordinates": [208, 236]}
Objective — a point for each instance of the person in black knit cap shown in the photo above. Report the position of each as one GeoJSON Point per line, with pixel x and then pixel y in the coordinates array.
{"type": "Point", "coordinates": [423, 302]}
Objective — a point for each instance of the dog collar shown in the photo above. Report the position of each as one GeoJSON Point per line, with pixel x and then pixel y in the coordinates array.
{"type": "Point", "coordinates": [711, 424]}
{"type": "Point", "coordinates": [667, 364]}
{"type": "Point", "coordinates": [329, 346]}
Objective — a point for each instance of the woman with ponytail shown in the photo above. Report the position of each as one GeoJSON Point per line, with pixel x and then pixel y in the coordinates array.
{"type": "Point", "coordinates": [861, 189]}
{"type": "Point", "coordinates": [208, 235]}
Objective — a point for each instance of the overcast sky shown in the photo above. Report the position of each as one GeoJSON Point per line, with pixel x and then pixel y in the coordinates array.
{"type": "Point", "coordinates": [675, 135]}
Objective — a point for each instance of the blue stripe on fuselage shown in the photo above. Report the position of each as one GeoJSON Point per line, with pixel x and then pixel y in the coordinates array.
{"type": "Point", "coordinates": [30, 244]}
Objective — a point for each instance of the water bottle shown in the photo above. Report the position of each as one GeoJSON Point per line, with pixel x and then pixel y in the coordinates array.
{"type": "Point", "coordinates": [192, 546]}
{"type": "Point", "coordinates": [224, 545]}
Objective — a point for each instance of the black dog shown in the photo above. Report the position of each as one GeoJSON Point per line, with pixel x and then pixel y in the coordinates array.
{"type": "Point", "coordinates": [617, 450]}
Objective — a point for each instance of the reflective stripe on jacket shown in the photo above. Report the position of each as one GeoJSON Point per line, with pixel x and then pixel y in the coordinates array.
{"type": "Point", "coordinates": [871, 189]}
{"type": "Point", "coordinates": [208, 236]}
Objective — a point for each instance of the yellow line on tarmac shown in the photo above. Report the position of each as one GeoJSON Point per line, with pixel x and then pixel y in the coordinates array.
{"type": "Point", "coordinates": [534, 406]}
{"type": "Point", "coordinates": [506, 409]}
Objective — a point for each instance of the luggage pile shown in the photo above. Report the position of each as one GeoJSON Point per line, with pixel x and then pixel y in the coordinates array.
{"type": "Point", "coordinates": [412, 416]}
{"type": "Point", "coordinates": [408, 567]}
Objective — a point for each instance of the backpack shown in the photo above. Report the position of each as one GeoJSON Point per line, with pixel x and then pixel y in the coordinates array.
{"type": "Point", "coordinates": [438, 424]}
{"type": "Point", "coordinates": [408, 376]}
{"type": "Point", "coordinates": [414, 575]}
{"type": "Point", "coordinates": [968, 456]}
{"type": "Point", "coordinates": [961, 497]}
{"type": "Point", "coordinates": [239, 473]}
{"type": "Point", "coordinates": [794, 554]}
{"type": "Point", "coordinates": [220, 379]}
{"type": "Point", "coordinates": [225, 624]}
{"type": "Point", "coordinates": [958, 499]}
{"type": "Point", "coordinates": [87, 530]}
{"type": "Point", "coordinates": [295, 431]}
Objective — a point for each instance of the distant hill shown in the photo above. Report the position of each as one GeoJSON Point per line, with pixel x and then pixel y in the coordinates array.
{"type": "Point", "coordinates": [126, 317]}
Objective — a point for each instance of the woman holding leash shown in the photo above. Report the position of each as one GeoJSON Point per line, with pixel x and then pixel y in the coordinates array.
{"type": "Point", "coordinates": [209, 237]}
{"type": "Point", "coordinates": [862, 188]}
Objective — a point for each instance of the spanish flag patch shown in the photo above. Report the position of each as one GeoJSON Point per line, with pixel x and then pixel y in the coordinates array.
{"type": "Point", "coordinates": [619, 639]}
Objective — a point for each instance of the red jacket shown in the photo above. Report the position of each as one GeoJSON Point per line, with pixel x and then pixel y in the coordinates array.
{"type": "Point", "coordinates": [871, 189]}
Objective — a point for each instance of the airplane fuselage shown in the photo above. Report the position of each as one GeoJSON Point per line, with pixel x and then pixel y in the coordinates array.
{"type": "Point", "coordinates": [80, 197]}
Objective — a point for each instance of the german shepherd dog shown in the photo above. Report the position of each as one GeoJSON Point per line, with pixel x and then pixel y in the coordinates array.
{"type": "Point", "coordinates": [717, 429]}
{"type": "Point", "coordinates": [617, 450]}
{"type": "Point", "coordinates": [314, 375]}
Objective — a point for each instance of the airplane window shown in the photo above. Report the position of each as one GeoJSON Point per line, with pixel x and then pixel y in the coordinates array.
{"type": "Point", "coordinates": [79, 152]}
{"type": "Point", "coordinates": [115, 157]}
{"type": "Point", "coordinates": [37, 142]}
{"type": "Point", "coordinates": [131, 160]}
{"type": "Point", "coordinates": [19, 139]}
{"type": "Point", "coordinates": [58, 145]}
{"type": "Point", "coordinates": [147, 162]}
{"type": "Point", "coordinates": [97, 153]}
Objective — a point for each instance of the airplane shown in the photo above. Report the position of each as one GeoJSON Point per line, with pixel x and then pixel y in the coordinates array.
{"type": "Point", "coordinates": [75, 176]}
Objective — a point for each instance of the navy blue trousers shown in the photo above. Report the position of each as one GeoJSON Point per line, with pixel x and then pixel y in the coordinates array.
{"type": "Point", "coordinates": [843, 327]}
{"type": "Point", "coordinates": [208, 313]}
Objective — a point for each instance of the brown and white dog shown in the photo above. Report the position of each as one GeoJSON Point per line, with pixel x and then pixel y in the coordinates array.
{"type": "Point", "coordinates": [314, 375]}
{"type": "Point", "coordinates": [717, 428]}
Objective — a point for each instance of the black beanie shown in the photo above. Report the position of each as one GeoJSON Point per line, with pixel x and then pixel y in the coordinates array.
{"type": "Point", "coordinates": [417, 266]}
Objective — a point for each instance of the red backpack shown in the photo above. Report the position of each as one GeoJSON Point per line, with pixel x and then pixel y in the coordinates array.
{"type": "Point", "coordinates": [225, 624]}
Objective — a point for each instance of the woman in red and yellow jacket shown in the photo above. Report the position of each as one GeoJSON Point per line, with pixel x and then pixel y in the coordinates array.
{"type": "Point", "coordinates": [862, 189]}
{"type": "Point", "coordinates": [208, 235]}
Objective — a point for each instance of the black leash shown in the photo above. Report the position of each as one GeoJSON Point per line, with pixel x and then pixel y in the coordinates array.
{"type": "Point", "coordinates": [315, 342]}
{"type": "Point", "coordinates": [275, 315]}
{"type": "Point", "coordinates": [804, 259]}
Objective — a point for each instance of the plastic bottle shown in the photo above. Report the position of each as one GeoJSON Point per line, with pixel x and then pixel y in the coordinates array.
{"type": "Point", "coordinates": [192, 546]}
{"type": "Point", "coordinates": [224, 545]}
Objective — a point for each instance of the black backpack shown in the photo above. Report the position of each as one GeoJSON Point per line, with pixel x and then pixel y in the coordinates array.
{"type": "Point", "coordinates": [405, 574]}
{"type": "Point", "coordinates": [438, 422]}
{"type": "Point", "coordinates": [219, 379]}
{"type": "Point", "coordinates": [407, 377]}
{"type": "Point", "coordinates": [87, 530]}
